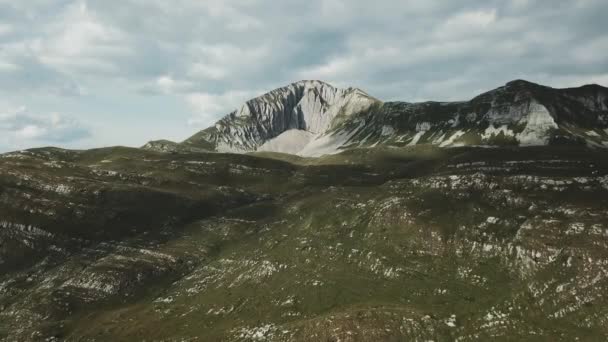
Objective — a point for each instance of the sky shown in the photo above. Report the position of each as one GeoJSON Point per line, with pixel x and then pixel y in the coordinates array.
{"type": "Point", "coordinates": [82, 74]}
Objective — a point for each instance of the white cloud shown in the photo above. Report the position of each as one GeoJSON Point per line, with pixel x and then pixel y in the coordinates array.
{"type": "Point", "coordinates": [206, 71]}
{"type": "Point", "coordinates": [168, 85]}
{"type": "Point", "coordinates": [218, 61]}
{"type": "Point", "coordinates": [6, 66]}
{"type": "Point", "coordinates": [80, 40]}
{"type": "Point", "coordinates": [565, 81]}
{"type": "Point", "coordinates": [30, 132]}
{"type": "Point", "coordinates": [209, 107]}
{"type": "Point", "coordinates": [520, 4]}
{"type": "Point", "coordinates": [122, 61]}
{"type": "Point", "coordinates": [5, 29]}
{"type": "Point", "coordinates": [593, 51]}
{"type": "Point", "coordinates": [236, 19]}
{"type": "Point", "coordinates": [20, 128]}
{"type": "Point", "coordinates": [466, 24]}
{"type": "Point", "coordinates": [334, 69]}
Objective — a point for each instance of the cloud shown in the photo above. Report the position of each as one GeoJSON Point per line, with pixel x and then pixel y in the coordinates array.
{"type": "Point", "coordinates": [166, 84]}
{"type": "Point", "coordinates": [6, 66]}
{"type": "Point", "coordinates": [187, 61]}
{"type": "Point", "coordinates": [5, 29]}
{"type": "Point", "coordinates": [206, 105]}
{"type": "Point", "coordinates": [20, 128]}
{"type": "Point", "coordinates": [591, 52]}
{"type": "Point", "coordinates": [79, 40]}
{"type": "Point", "coordinates": [466, 23]}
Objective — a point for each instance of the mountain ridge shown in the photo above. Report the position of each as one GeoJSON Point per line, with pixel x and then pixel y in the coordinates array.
{"type": "Point", "coordinates": [327, 120]}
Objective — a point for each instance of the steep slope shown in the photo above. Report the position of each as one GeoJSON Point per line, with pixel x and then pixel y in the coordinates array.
{"type": "Point", "coordinates": [310, 106]}
{"type": "Point", "coordinates": [312, 118]}
{"type": "Point", "coordinates": [519, 113]}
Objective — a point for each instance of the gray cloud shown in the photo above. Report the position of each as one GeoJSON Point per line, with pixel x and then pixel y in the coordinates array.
{"type": "Point", "coordinates": [211, 55]}
{"type": "Point", "coordinates": [19, 127]}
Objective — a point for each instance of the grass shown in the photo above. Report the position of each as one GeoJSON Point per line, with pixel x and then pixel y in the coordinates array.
{"type": "Point", "coordinates": [381, 243]}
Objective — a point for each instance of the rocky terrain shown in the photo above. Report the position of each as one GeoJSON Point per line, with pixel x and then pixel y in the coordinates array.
{"type": "Point", "coordinates": [312, 118]}
{"type": "Point", "coordinates": [390, 239]}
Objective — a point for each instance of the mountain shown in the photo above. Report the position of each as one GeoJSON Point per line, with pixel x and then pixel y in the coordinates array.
{"type": "Point", "coordinates": [395, 238]}
{"type": "Point", "coordinates": [288, 119]}
{"type": "Point", "coordinates": [312, 118]}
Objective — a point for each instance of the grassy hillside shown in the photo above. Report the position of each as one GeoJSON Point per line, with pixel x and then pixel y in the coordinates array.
{"type": "Point", "coordinates": [378, 244]}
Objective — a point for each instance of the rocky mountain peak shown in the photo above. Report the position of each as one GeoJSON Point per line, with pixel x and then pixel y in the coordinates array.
{"type": "Point", "coordinates": [312, 118]}
{"type": "Point", "coordinates": [309, 106]}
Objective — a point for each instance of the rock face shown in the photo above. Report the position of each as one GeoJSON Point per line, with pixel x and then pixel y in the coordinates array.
{"type": "Point", "coordinates": [312, 118]}
{"type": "Point", "coordinates": [313, 107]}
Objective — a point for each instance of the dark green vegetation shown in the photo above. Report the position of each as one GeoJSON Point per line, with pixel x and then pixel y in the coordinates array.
{"type": "Point", "coordinates": [377, 244]}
